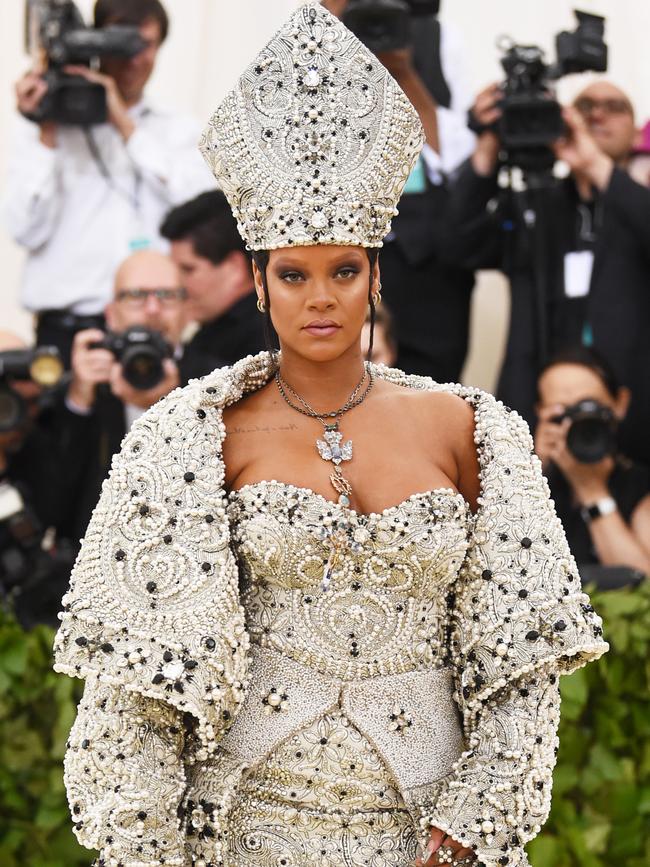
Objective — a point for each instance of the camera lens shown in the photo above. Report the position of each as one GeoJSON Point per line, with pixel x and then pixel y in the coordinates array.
{"type": "Point", "coordinates": [591, 438]}
{"type": "Point", "coordinates": [142, 367]}
{"type": "Point", "coordinates": [12, 409]}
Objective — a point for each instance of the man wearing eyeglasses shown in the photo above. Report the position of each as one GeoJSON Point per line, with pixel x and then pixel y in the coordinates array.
{"type": "Point", "coordinates": [101, 405]}
{"type": "Point", "coordinates": [595, 234]}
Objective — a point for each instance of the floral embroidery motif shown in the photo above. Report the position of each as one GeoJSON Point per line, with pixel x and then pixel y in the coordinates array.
{"type": "Point", "coordinates": [316, 142]}
{"type": "Point", "coordinates": [494, 599]}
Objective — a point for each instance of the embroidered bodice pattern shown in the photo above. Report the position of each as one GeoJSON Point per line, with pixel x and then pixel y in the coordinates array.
{"type": "Point", "coordinates": [429, 660]}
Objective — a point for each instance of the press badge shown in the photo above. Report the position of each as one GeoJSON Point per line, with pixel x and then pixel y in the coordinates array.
{"type": "Point", "coordinates": [578, 268]}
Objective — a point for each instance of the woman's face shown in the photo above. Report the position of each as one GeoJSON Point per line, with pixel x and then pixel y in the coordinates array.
{"type": "Point", "coordinates": [564, 385]}
{"type": "Point", "coordinates": [319, 299]}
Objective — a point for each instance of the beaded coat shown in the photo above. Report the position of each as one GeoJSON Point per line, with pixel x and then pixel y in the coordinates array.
{"type": "Point", "coordinates": [236, 714]}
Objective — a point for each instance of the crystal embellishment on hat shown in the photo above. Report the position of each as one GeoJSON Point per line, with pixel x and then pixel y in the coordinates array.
{"type": "Point", "coordinates": [315, 143]}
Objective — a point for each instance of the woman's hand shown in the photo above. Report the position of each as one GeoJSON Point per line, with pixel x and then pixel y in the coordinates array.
{"type": "Point", "coordinates": [444, 850]}
{"type": "Point", "coordinates": [589, 482]}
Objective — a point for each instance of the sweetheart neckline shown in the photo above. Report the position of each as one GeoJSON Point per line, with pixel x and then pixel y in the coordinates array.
{"type": "Point", "coordinates": [437, 492]}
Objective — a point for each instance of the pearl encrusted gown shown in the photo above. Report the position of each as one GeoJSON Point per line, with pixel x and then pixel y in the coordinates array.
{"type": "Point", "coordinates": [415, 685]}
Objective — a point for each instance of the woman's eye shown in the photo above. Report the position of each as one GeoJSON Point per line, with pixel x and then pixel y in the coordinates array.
{"type": "Point", "coordinates": [291, 276]}
{"type": "Point", "coordinates": [348, 273]}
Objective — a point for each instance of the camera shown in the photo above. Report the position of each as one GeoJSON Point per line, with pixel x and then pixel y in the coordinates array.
{"type": "Point", "coordinates": [592, 434]}
{"type": "Point", "coordinates": [56, 29]}
{"type": "Point", "coordinates": [141, 353]}
{"type": "Point", "coordinates": [42, 366]}
{"type": "Point", "coordinates": [33, 573]}
{"type": "Point", "coordinates": [385, 25]}
{"type": "Point", "coordinates": [531, 116]}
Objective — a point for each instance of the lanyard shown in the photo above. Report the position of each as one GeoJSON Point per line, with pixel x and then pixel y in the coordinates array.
{"type": "Point", "coordinates": [134, 198]}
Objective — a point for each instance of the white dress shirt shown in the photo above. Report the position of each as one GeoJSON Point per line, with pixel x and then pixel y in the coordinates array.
{"type": "Point", "coordinates": [456, 140]}
{"type": "Point", "coordinates": [76, 223]}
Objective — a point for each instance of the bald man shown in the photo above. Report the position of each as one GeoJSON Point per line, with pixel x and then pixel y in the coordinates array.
{"type": "Point", "coordinates": [609, 117]}
{"type": "Point", "coordinates": [148, 293]}
{"type": "Point", "coordinates": [592, 241]}
{"type": "Point", "coordinates": [100, 403]}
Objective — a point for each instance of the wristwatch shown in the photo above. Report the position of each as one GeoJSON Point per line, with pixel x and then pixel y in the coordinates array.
{"type": "Point", "coordinates": [599, 509]}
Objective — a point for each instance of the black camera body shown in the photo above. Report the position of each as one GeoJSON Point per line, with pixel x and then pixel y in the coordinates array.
{"type": "Point", "coordinates": [42, 365]}
{"type": "Point", "coordinates": [592, 435]}
{"type": "Point", "coordinates": [141, 352]}
{"type": "Point", "coordinates": [59, 30]}
{"type": "Point", "coordinates": [531, 116]}
{"type": "Point", "coordinates": [33, 573]}
{"type": "Point", "coordinates": [386, 25]}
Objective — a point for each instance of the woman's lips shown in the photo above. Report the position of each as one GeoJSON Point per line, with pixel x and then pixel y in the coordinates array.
{"type": "Point", "coordinates": [322, 329]}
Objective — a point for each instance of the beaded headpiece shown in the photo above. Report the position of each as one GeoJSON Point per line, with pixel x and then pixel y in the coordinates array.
{"type": "Point", "coordinates": [316, 141]}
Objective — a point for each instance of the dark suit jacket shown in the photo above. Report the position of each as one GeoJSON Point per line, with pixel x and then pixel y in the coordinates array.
{"type": "Point", "coordinates": [617, 307]}
{"type": "Point", "coordinates": [236, 334]}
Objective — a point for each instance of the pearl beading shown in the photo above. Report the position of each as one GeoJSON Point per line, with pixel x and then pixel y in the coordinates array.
{"type": "Point", "coordinates": [515, 619]}
{"type": "Point", "coordinates": [316, 142]}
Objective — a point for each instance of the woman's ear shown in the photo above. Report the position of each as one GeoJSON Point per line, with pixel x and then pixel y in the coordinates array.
{"type": "Point", "coordinates": [622, 403]}
{"type": "Point", "coordinates": [376, 275]}
{"type": "Point", "coordinates": [259, 283]}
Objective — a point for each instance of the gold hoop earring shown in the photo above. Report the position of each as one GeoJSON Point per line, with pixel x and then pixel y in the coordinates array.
{"type": "Point", "coordinates": [377, 297]}
{"type": "Point", "coordinates": [261, 306]}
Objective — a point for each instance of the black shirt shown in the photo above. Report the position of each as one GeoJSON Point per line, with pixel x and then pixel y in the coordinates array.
{"type": "Point", "coordinates": [236, 334]}
{"type": "Point", "coordinates": [628, 485]}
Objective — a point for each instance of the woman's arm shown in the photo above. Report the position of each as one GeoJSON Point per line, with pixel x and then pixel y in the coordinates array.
{"type": "Point", "coordinates": [500, 793]}
{"type": "Point", "coordinates": [125, 778]}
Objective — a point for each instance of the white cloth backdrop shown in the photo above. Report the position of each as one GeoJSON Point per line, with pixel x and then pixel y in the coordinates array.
{"type": "Point", "coordinates": [211, 40]}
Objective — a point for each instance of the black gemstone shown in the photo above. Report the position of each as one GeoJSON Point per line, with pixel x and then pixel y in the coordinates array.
{"type": "Point", "coordinates": [151, 586]}
{"type": "Point", "coordinates": [168, 656]}
{"type": "Point", "coordinates": [85, 744]}
{"type": "Point", "coordinates": [107, 647]}
{"type": "Point", "coordinates": [523, 594]}
{"type": "Point", "coordinates": [120, 555]}
{"type": "Point", "coordinates": [211, 390]}
{"type": "Point", "coordinates": [157, 678]}
{"type": "Point", "coordinates": [189, 477]}
{"type": "Point", "coordinates": [82, 641]}
{"type": "Point", "coordinates": [559, 626]}
{"type": "Point", "coordinates": [167, 540]}
{"type": "Point", "coordinates": [533, 635]}
{"type": "Point", "coordinates": [201, 413]}
{"type": "Point", "coordinates": [144, 510]}
{"type": "Point", "coordinates": [487, 574]}
{"type": "Point", "coordinates": [190, 664]}
{"type": "Point", "coordinates": [206, 567]}
{"type": "Point", "coordinates": [526, 542]}
{"type": "Point", "coordinates": [210, 643]}
{"type": "Point", "coordinates": [209, 519]}
{"type": "Point", "coordinates": [142, 815]}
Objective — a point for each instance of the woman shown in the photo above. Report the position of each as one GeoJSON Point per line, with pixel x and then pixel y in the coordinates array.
{"type": "Point", "coordinates": [310, 634]}
{"type": "Point", "coordinates": [604, 504]}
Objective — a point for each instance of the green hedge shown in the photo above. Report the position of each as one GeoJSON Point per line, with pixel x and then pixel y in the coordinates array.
{"type": "Point", "coordinates": [601, 809]}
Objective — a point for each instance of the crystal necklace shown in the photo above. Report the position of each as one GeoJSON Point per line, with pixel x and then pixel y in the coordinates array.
{"type": "Point", "coordinates": [331, 447]}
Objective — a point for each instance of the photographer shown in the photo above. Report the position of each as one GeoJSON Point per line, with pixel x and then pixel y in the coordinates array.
{"type": "Point", "coordinates": [79, 197]}
{"type": "Point", "coordinates": [595, 235]}
{"type": "Point", "coordinates": [602, 498]}
{"type": "Point", "coordinates": [36, 551]}
{"type": "Point", "coordinates": [217, 274]}
{"type": "Point", "coordinates": [105, 396]}
{"type": "Point", "coordinates": [429, 298]}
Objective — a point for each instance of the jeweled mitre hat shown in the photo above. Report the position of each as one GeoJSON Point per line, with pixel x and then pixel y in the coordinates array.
{"type": "Point", "coordinates": [316, 141]}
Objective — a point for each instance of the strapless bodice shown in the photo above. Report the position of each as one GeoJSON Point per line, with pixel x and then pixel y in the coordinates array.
{"type": "Point", "coordinates": [348, 594]}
